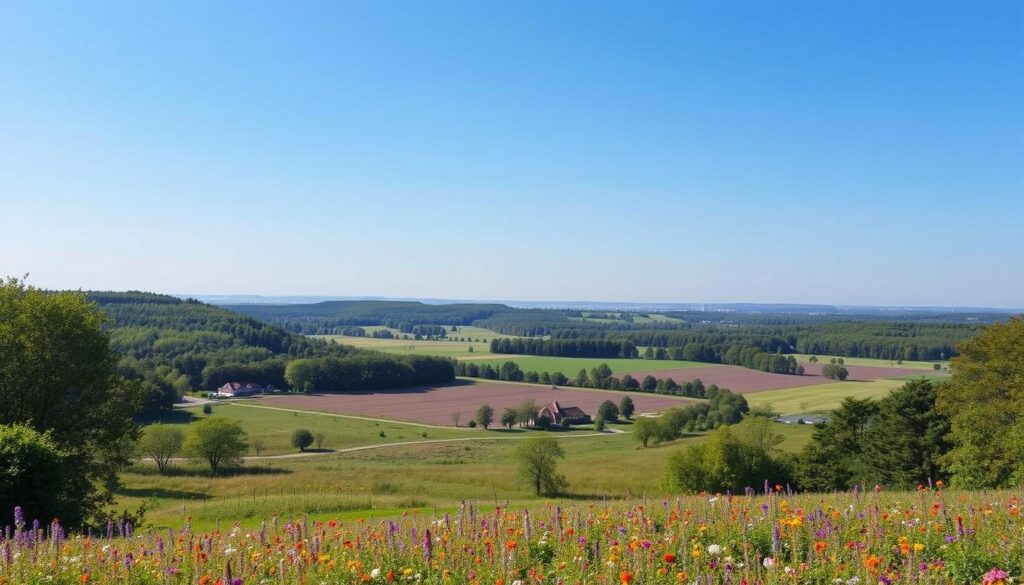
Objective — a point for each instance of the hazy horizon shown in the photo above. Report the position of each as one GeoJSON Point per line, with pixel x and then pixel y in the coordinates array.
{"type": "Point", "coordinates": [867, 154]}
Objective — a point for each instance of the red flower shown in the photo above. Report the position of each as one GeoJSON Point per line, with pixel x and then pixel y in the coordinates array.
{"type": "Point", "coordinates": [669, 558]}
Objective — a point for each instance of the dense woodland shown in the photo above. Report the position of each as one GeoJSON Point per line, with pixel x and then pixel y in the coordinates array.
{"type": "Point", "coordinates": [175, 345]}
{"type": "Point", "coordinates": [330, 317]}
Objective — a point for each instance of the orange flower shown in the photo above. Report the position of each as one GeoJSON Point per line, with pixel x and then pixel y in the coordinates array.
{"type": "Point", "coordinates": [625, 577]}
{"type": "Point", "coordinates": [820, 546]}
{"type": "Point", "coordinates": [872, 563]}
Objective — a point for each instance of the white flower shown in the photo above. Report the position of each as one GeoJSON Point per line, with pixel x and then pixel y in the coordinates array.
{"type": "Point", "coordinates": [714, 549]}
{"type": "Point", "coordinates": [853, 580]}
{"type": "Point", "coordinates": [768, 562]}
{"type": "Point", "coordinates": [517, 582]}
{"type": "Point", "coordinates": [375, 573]}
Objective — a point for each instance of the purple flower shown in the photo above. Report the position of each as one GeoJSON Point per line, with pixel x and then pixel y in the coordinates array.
{"type": "Point", "coordinates": [19, 518]}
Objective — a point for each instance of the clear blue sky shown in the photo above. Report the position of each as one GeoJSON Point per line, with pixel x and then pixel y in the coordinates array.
{"type": "Point", "coordinates": [835, 152]}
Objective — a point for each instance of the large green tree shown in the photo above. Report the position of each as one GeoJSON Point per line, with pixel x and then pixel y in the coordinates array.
{"type": "Point", "coordinates": [57, 377]}
{"type": "Point", "coordinates": [984, 399]}
{"type": "Point", "coordinates": [216, 440]}
{"type": "Point", "coordinates": [906, 440]}
{"type": "Point", "coordinates": [537, 459]}
{"type": "Point", "coordinates": [830, 461]}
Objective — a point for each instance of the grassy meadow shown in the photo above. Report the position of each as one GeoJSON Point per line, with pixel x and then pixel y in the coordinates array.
{"type": "Point", "coordinates": [854, 361]}
{"type": "Point", "coordinates": [822, 398]}
{"type": "Point", "coordinates": [441, 470]}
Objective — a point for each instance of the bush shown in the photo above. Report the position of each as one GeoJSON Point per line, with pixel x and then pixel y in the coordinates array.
{"type": "Point", "coordinates": [44, 483]}
{"type": "Point", "coordinates": [207, 409]}
{"type": "Point", "coordinates": [301, 439]}
{"type": "Point", "coordinates": [472, 424]}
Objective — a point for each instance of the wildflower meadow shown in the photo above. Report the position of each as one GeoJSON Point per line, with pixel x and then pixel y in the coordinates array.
{"type": "Point", "coordinates": [855, 538]}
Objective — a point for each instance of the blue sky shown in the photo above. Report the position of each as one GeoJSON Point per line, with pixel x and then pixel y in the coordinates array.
{"type": "Point", "coordinates": [853, 153]}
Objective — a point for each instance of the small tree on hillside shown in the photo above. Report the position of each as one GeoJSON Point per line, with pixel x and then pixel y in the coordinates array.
{"type": "Point", "coordinates": [537, 460]}
{"type": "Point", "coordinates": [645, 430]}
{"type": "Point", "coordinates": [258, 445]}
{"type": "Point", "coordinates": [650, 384]}
{"type": "Point", "coordinates": [484, 416]}
{"type": "Point", "coordinates": [813, 359]}
{"type": "Point", "coordinates": [301, 439]}
{"type": "Point", "coordinates": [217, 441]}
{"type": "Point", "coordinates": [608, 411]}
{"type": "Point", "coordinates": [509, 417]}
{"type": "Point", "coordinates": [626, 407]}
{"type": "Point", "coordinates": [161, 443]}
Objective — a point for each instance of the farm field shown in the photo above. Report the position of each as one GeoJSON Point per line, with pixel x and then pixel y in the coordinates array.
{"type": "Point", "coordinates": [853, 361]}
{"type": "Point", "coordinates": [744, 380]}
{"type": "Point", "coordinates": [437, 405]}
{"type": "Point", "coordinates": [571, 366]}
{"type": "Point", "coordinates": [275, 427]}
{"type": "Point", "coordinates": [822, 398]}
{"type": "Point", "coordinates": [457, 349]}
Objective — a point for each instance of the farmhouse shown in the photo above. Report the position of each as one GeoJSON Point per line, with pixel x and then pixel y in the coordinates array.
{"type": "Point", "coordinates": [564, 416]}
{"type": "Point", "coordinates": [244, 389]}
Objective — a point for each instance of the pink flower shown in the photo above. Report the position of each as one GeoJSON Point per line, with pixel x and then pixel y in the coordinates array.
{"type": "Point", "coordinates": [995, 577]}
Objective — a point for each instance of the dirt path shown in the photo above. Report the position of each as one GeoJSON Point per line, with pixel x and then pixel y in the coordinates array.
{"type": "Point", "coordinates": [324, 453]}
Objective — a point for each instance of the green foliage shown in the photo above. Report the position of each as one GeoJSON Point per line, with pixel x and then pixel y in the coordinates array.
{"type": "Point", "coordinates": [509, 417]}
{"type": "Point", "coordinates": [725, 461]}
{"type": "Point", "coordinates": [484, 416]}
{"type": "Point", "coordinates": [217, 441]}
{"type": "Point", "coordinates": [984, 400]}
{"type": "Point", "coordinates": [368, 370]}
{"type": "Point", "coordinates": [835, 371]}
{"type": "Point", "coordinates": [537, 459]}
{"type": "Point", "coordinates": [57, 376]}
{"type": "Point", "coordinates": [301, 439]}
{"type": "Point", "coordinates": [39, 476]}
{"type": "Point", "coordinates": [907, 439]}
{"type": "Point", "coordinates": [161, 443]}
{"type": "Point", "coordinates": [646, 430]}
{"type": "Point", "coordinates": [607, 411]}
{"type": "Point", "coordinates": [831, 460]}
{"type": "Point", "coordinates": [626, 407]}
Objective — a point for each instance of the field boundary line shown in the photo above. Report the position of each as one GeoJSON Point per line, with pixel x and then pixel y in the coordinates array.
{"type": "Point", "coordinates": [352, 416]}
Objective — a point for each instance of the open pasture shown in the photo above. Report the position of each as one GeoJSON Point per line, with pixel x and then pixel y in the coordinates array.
{"type": "Point", "coordinates": [855, 361]}
{"type": "Point", "coordinates": [438, 405]}
{"type": "Point", "coordinates": [744, 380]}
{"type": "Point", "coordinates": [821, 398]}
{"type": "Point", "coordinates": [275, 427]}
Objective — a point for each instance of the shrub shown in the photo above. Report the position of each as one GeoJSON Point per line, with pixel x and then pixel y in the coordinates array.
{"type": "Point", "coordinates": [301, 439]}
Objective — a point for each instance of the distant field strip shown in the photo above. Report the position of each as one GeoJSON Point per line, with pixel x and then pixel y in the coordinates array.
{"type": "Point", "coordinates": [571, 366]}
{"type": "Point", "coordinates": [821, 398]}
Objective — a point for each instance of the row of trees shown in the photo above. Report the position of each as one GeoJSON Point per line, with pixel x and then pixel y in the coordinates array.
{"type": "Point", "coordinates": [582, 348]}
{"type": "Point", "coordinates": [367, 370]}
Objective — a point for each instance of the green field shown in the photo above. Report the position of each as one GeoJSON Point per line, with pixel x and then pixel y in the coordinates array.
{"type": "Point", "coordinates": [391, 479]}
{"type": "Point", "coordinates": [822, 398]}
{"type": "Point", "coordinates": [571, 366]}
{"type": "Point", "coordinates": [275, 427]}
{"type": "Point", "coordinates": [850, 361]}
{"type": "Point", "coordinates": [481, 339]}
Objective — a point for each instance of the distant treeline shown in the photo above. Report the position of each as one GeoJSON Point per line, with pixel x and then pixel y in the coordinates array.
{"type": "Point", "coordinates": [585, 348]}
{"type": "Point", "coordinates": [174, 346]}
{"type": "Point", "coordinates": [331, 316]}
{"type": "Point", "coordinates": [598, 377]}
{"type": "Point", "coordinates": [740, 355]}
{"type": "Point", "coordinates": [368, 370]}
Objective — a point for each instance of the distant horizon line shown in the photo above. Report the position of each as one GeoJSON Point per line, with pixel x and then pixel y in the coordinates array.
{"type": "Point", "coordinates": [226, 299]}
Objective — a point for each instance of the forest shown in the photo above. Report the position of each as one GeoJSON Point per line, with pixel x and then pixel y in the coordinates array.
{"type": "Point", "coordinates": [172, 346]}
{"type": "Point", "coordinates": [330, 317]}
